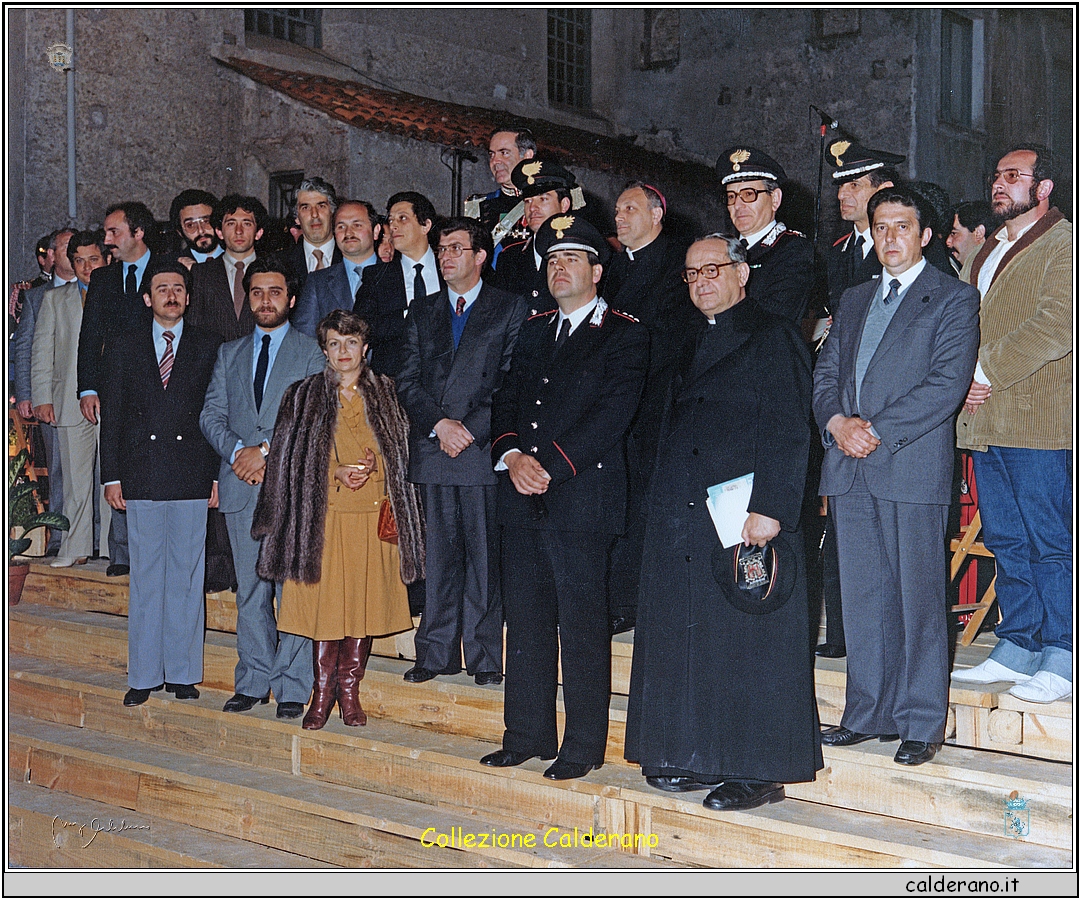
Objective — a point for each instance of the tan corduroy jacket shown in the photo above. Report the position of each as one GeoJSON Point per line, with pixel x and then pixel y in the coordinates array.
{"type": "Point", "coordinates": [1026, 343]}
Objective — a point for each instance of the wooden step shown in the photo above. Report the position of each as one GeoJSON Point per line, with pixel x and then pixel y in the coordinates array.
{"type": "Point", "coordinates": [337, 825]}
{"type": "Point", "coordinates": [960, 792]}
{"type": "Point", "coordinates": [456, 704]}
{"type": "Point", "coordinates": [49, 829]}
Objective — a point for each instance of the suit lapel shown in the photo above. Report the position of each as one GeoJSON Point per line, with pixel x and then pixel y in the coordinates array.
{"type": "Point", "coordinates": [476, 326]}
{"type": "Point", "coordinates": [865, 294]}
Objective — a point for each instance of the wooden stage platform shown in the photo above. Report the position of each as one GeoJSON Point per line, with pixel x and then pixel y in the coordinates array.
{"type": "Point", "coordinates": [197, 787]}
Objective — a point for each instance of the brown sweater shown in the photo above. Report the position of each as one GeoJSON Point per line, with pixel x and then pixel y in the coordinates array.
{"type": "Point", "coordinates": [1026, 343]}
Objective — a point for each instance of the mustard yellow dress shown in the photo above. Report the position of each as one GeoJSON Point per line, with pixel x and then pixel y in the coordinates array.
{"type": "Point", "coordinates": [360, 591]}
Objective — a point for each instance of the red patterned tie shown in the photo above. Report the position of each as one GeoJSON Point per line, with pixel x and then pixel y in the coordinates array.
{"type": "Point", "coordinates": [166, 364]}
{"type": "Point", "coordinates": [459, 307]}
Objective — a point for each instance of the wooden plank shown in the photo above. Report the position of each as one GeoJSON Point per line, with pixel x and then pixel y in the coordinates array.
{"type": "Point", "coordinates": [30, 697]}
{"type": "Point", "coordinates": [1048, 737]}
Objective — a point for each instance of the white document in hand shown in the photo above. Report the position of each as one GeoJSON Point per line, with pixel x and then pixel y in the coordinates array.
{"type": "Point", "coordinates": [727, 504]}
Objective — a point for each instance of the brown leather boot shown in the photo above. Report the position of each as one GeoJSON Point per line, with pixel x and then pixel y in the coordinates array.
{"type": "Point", "coordinates": [352, 660]}
{"type": "Point", "coordinates": [325, 663]}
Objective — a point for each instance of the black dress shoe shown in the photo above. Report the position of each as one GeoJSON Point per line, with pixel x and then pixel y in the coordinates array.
{"type": "Point", "coordinates": [183, 691]}
{"type": "Point", "coordinates": [488, 678]}
{"type": "Point", "coordinates": [500, 759]}
{"type": "Point", "coordinates": [915, 753]}
{"type": "Point", "coordinates": [562, 769]}
{"type": "Point", "coordinates": [735, 795]}
{"type": "Point", "coordinates": [418, 675]}
{"type": "Point", "coordinates": [839, 736]}
{"type": "Point", "coordinates": [619, 624]}
{"type": "Point", "coordinates": [139, 696]}
{"type": "Point", "coordinates": [242, 702]}
{"type": "Point", "coordinates": [677, 784]}
{"type": "Point", "coordinates": [830, 651]}
{"type": "Point", "coordinates": [117, 569]}
{"type": "Point", "coordinates": [290, 710]}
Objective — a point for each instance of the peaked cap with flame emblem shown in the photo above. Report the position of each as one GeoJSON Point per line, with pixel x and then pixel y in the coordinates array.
{"type": "Point", "coordinates": [850, 160]}
{"type": "Point", "coordinates": [534, 177]}
{"type": "Point", "coordinates": [742, 163]}
{"type": "Point", "coordinates": [566, 231]}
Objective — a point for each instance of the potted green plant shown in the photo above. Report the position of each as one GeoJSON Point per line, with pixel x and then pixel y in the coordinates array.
{"type": "Point", "coordinates": [23, 513]}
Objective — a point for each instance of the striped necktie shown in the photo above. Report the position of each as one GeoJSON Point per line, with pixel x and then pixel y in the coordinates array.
{"type": "Point", "coordinates": [166, 364]}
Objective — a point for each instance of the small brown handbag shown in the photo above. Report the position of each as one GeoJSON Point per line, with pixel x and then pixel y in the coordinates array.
{"type": "Point", "coordinates": [388, 528]}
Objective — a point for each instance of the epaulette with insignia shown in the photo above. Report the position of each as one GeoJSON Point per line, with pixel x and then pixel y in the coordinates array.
{"type": "Point", "coordinates": [796, 233]}
{"type": "Point", "coordinates": [471, 208]}
{"type": "Point", "coordinates": [620, 312]}
{"type": "Point", "coordinates": [842, 239]}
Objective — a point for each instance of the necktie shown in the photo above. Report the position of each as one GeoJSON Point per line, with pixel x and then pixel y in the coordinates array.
{"type": "Point", "coordinates": [743, 243]}
{"type": "Point", "coordinates": [857, 258]}
{"type": "Point", "coordinates": [564, 333]}
{"type": "Point", "coordinates": [356, 296]}
{"type": "Point", "coordinates": [166, 364]}
{"type": "Point", "coordinates": [459, 307]}
{"type": "Point", "coordinates": [260, 371]}
{"type": "Point", "coordinates": [418, 282]}
{"type": "Point", "coordinates": [238, 288]}
{"type": "Point", "coordinates": [82, 294]}
{"type": "Point", "coordinates": [318, 254]}
{"type": "Point", "coordinates": [892, 295]}
{"type": "Point", "coordinates": [130, 286]}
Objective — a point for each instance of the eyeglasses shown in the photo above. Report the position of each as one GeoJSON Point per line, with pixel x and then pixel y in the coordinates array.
{"type": "Point", "coordinates": [201, 220]}
{"type": "Point", "coordinates": [453, 251]}
{"type": "Point", "coordinates": [747, 195]}
{"type": "Point", "coordinates": [1010, 176]}
{"type": "Point", "coordinates": [709, 270]}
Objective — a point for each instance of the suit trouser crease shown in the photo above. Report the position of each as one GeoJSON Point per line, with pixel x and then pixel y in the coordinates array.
{"type": "Point", "coordinates": [462, 609]}
{"type": "Point", "coordinates": [1026, 506]}
{"type": "Point", "coordinates": [78, 446]}
{"type": "Point", "coordinates": [167, 609]}
{"type": "Point", "coordinates": [893, 583]}
{"type": "Point", "coordinates": [267, 661]}
{"type": "Point", "coordinates": [555, 605]}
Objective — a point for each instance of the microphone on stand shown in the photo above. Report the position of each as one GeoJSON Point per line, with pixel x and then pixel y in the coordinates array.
{"type": "Point", "coordinates": [827, 120]}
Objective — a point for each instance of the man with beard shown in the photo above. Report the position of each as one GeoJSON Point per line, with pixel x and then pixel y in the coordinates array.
{"type": "Point", "coordinates": [158, 468]}
{"type": "Point", "coordinates": [190, 215]}
{"type": "Point", "coordinates": [356, 231]}
{"type": "Point", "coordinates": [314, 211]}
{"type": "Point", "coordinates": [218, 302]}
{"type": "Point", "coordinates": [114, 307]}
{"type": "Point", "coordinates": [1017, 421]}
{"type": "Point", "coordinates": [506, 148]}
{"type": "Point", "coordinates": [546, 189]}
{"type": "Point", "coordinates": [722, 693]}
{"type": "Point", "coordinates": [250, 376]}
{"type": "Point", "coordinates": [781, 261]}
{"type": "Point", "coordinates": [644, 280]}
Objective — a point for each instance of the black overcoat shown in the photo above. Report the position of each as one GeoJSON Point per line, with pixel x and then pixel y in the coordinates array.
{"type": "Point", "coordinates": [716, 691]}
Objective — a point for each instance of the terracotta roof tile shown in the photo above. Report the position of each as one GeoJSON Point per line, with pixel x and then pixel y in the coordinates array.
{"type": "Point", "coordinates": [455, 125]}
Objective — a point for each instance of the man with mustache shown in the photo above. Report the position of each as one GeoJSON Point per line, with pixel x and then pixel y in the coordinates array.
{"type": "Point", "coordinates": [250, 376]}
{"type": "Point", "coordinates": [190, 215]}
{"type": "Point", "coordinates": [1017, 423]}
{"type": "Point", "coordinates": [158, 467]}
{"type": "Point", "coordinates": [114, 307]}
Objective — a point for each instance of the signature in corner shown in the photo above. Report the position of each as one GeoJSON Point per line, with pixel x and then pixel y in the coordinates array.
{"type": "Point", "coordinates": [94, 827]}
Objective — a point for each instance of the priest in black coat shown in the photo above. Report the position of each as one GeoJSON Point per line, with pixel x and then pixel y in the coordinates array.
{"type": "Point", "coordinates": [721, 696]}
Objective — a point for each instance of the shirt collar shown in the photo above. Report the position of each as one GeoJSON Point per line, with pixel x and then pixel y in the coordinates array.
{"type": "Point", "coordinates": [578, 316]}
{"type": "Point", "coordinates": [203, 257]}
{"type": "Point", "coordinates": [427, 260]}
{"type": "Point", "coordinates": [140, 266]}
{"type": "Point", "coordinates": [176, 329]}
{"type": "Point", "coordinates": [327, 248]}
{"type": "Point", "coordinates": [906, 277]}
{"type": "Point", "coordinates": [276, 336]}
{"type": "Point", "coordinates": [470, 295]}
{"type": "Point", "coordinates": [630, 252]}
{"type": "Point", "coordinates": [1004, 237]}
{"type": "Point", "coordinates": [753, 239]}
{"type": "Point", "coordinates": [868, 241]}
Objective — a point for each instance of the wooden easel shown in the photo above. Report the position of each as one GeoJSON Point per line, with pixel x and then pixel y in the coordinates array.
{"type": "Point", "coordinates": [965, 545]}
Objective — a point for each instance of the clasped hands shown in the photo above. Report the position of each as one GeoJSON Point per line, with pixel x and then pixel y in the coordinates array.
{"type": "Point", "coordinates": [453, 436]}
{"type": "Point", "coordinates": [853, 435]}
{"type": "Point", "coordinates": [356, 476]}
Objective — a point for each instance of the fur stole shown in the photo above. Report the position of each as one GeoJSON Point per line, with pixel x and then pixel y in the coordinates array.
{"type": "Point", "coordinates": [290, 517]}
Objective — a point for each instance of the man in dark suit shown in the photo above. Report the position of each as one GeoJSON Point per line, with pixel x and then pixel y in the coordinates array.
{"type": "Point", "coordinates": [316, 203]}
{"type": "Point", "coordinates": [192, 216]}
{"type": "Point", "coordinates": [888, 385]}
{"type": "Point", "coordinates": [389, 288]}
{"type": "Point", "coordinates": [457, 353]}
{"type": "Point", "coordinates": [781, 260]}
{"type": "Point", "coordinates": [546, 189]}
{"type": "Point", "coordinates": [218, 302]}
{"type": "Point", "coordinates": [560, 419]}
{"type": "Point", "coordinates": [356, 232]}
{"type": "Point", "coordinates": [114, 307]}
{"type": "Point", "coordinates": [250, 376]}
{"type": "Point", "coordinates": [158, 467]}
{"type": "Point", "coordinates": [644, 280]}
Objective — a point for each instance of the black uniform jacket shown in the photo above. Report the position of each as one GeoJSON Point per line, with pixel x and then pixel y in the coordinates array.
{"type": "Point", "coordinates": [570, 410]}
{"type": "Point", "coordinates": [516, 272]}
{"type": "Point", "coordinates": [150, 437]}
{"type": "Point", "coordinates": [782, 273]}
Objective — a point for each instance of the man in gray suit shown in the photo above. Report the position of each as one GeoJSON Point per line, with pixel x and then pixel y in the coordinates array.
{"type": "Point", "coordinates": [238, 417]}
{"type": "Point", "coordinates": [458, 348]}
{"type": "Point", "coordinates": [888, 385]}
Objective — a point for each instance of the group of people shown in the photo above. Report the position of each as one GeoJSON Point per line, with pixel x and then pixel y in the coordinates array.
{"type": "Point", "coordinates": [511, 419]}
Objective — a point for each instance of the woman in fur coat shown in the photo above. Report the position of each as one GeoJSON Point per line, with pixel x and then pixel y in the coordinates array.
{"type": "Point", "coordinates": [340, 447]}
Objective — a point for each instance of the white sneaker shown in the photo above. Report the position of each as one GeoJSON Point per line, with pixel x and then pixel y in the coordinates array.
{"type": "Point", "coordinates": [1043, 687]}
{"type": "Point", "coordinates": [66, 562]}
{"type": "Point", "coordinates": [989, 672]}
